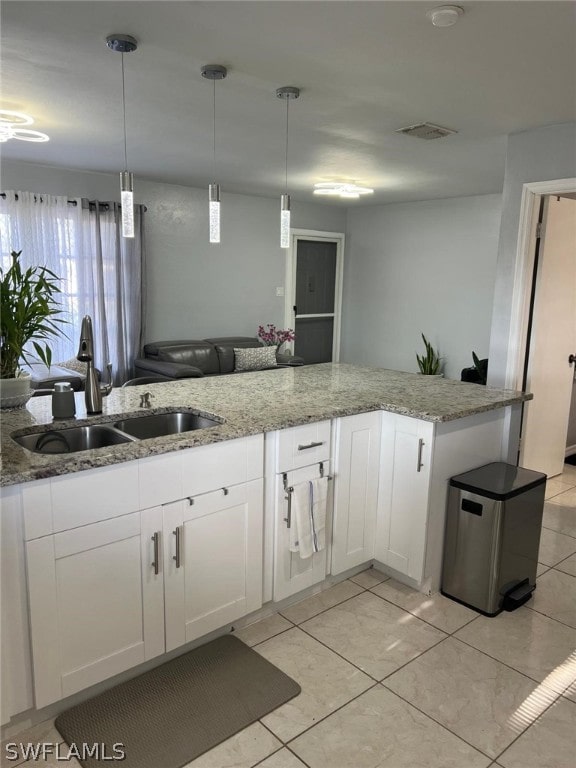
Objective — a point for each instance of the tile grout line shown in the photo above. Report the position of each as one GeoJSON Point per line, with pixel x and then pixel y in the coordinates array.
{"type": "Point", "coordinates": [532, 679]}
{"type": "Point", "coordinates": [560, 697]}
{"type": "Point", "coordinates": [386, 600]}
{"type": "Point", "coordinates": [547, 615]}
{"type": "Point", "coordinates": [445, 727]}
{"type": "Point", "coordinates": [563, 561]}
{"type": "Point", "coordinates": [345, 600]}
{"type": "Point", "coordinates": [321, 719]}
{"type": "Point", "coordinates": [560, 533]}
{"type": "Point", "coordinates": [284, 745]}
{"type": "Point", "coordinates": [282, 632]}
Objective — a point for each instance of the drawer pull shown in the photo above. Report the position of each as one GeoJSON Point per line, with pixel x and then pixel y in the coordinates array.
{"type": "Point", "coordinates": [225, 491]}
{"type": "Point", "coordinates": [419, 463]}
{"type": "Point", "coordinates": [156, 563]}
{"type": "Point", "coordinates": [310, 445]}
{"type": "Point", "coordinates": [176, 557]}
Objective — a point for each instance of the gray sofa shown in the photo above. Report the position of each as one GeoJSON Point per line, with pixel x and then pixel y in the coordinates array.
{"type": "Point", "coordinates": [194, 358]}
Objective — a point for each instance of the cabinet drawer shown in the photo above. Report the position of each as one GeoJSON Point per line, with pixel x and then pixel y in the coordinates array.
{"type": "Point", "coordinates": [300, 446]}
{"type": "Point", "coordinates": [167, 478]}
{"type": "Point", "coordinates": [82, 498]}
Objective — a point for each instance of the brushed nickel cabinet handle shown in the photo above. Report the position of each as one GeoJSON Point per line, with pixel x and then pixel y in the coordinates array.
{"type": "Point", "coordinates": [310, 445]}
{"type": "Point", "coordinates": [288, 497]}
{"type": "Point", "coordinates": [419, 463]}
{"type": "Point", "coordinates": [176, 557]}
{"type": "Point", "coordinates": [156, 563]}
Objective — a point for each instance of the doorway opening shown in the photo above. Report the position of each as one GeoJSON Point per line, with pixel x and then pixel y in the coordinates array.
{"type": "Point", "coordinates": [313, 304]}
{"type": "Point", "coordinates": [543, 330]}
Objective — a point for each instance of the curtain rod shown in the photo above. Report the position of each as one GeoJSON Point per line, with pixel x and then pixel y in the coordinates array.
{"type": "Point", "coordinates": [73, 202]}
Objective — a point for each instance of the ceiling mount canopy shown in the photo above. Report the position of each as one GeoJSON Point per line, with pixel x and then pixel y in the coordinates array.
{"type": "Point", "coordinates": [445, 15]}
{"type": "Point", "coordinates": [122, 43]}
{"type": "Point", "coordinates": [214, 71]}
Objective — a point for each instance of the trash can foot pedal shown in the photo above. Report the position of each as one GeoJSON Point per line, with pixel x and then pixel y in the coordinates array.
{"type": "Point", "coordinates": [517, 594]}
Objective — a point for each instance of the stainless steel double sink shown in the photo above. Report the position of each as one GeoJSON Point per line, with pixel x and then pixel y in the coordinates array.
{"type": "Point", "coordinates": [87, 437]}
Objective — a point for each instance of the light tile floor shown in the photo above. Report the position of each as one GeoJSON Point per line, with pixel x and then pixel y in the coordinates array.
{"type": "Point", "coordinates": [392, 678]}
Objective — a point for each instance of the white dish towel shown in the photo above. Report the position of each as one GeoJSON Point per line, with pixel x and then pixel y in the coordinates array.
{"type": "Point", "coordinates": [307, 531]}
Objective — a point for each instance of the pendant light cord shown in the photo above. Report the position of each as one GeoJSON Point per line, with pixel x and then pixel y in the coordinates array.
{"type": "Point", "coordinates": [124, 112]}
{"type": "Point", "coordinates": [286, 171]}
{"type": "Point", "coordinates": [214, 130]}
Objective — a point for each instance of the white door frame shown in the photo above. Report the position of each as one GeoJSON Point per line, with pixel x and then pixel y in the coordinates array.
{"type": "Point", "coordinates": [525, 254]}
{"type": "Point", "coordinates": [290, 279]}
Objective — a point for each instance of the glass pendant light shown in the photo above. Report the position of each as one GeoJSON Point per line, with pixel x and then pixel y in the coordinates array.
{"type": "Point", "coordinates": [287, 93]}
{"type": "Point", "coordinates": [125, 44]}
{"type": "Point", "coordinates": [214, 72]}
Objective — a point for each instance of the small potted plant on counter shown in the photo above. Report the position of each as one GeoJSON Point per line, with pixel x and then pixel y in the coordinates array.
{"type": "Point", "coordinates": [28, 315]}
{"type": "Point", "coordinates": [429, 363]}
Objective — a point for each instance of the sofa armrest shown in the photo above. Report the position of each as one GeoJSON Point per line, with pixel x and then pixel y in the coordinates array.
{"type": "Point", "coordinates": [282, 359]}
{"type": "Point", "coordinates": [170, 370]}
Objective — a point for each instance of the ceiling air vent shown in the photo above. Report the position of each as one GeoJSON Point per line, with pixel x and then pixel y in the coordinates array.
{"type": "Point", "coordinates": [426, 131]}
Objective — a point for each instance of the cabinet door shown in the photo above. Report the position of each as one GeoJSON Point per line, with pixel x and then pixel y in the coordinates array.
{"type": "Point", "coordinates": [292, 574]}
{"type": "Point", "coordinates": [96, 603]}
{"type": "Point", "coordinates": [213, 560]}
{"type": "Point", "coordinates": [405, 469]}
{"type": "Point", "coordinates": [355, 490]}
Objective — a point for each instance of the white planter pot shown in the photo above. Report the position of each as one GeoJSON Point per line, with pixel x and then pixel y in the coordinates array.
{"type": "Point", "coordinates": [15, 393]}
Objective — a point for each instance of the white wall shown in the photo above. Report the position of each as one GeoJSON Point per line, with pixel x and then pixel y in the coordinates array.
{"type": "Point", "coordinates": [425, 266]}
{"type": "Point", "coordinates": [544, 154]}
{"type": "Point", "coordinates": [196, 289]}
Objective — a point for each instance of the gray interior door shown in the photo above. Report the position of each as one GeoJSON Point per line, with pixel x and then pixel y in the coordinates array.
{"type": "Point", "coordinates": [314, 309]}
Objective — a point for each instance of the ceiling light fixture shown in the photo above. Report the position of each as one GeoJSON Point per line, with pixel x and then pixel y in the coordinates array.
{"type": "Point", "coordinates": [341, 189]}
{"type": "Point", "coordinates": [445, 15]}
{"type": "Point", "coordinates": [125, 44]}
{"type": "Point", "coordinates": [214, 72]}
{"type": "Point", "coordinates": [287, 93]}
{"type": "Point", "coordinates": [11, 127]}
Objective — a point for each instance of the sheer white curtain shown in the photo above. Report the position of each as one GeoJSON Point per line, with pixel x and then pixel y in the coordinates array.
{"type": "Point", "coordinates": [101, 272]}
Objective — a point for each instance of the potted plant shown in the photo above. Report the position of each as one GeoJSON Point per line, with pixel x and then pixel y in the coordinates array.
{"type": "Point", "coordinates": [478, 373]}
{"type": "Point", "coordinates": [429, 363]}
{"type": "Point", "coordinates": [274, 337]}
{"type": "Point", "coordinates": [28, 314]}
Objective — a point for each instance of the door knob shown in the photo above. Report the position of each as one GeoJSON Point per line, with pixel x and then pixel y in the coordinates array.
{"type": "Point", "coordinates": [572, 359]}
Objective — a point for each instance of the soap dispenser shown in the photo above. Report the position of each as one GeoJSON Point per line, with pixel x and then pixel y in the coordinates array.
{"type": "Point", "coordinates": [63, 403]}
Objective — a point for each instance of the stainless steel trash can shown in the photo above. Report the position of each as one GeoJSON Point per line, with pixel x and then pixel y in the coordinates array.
{"type": "Point", "coordinates": [493, 524]}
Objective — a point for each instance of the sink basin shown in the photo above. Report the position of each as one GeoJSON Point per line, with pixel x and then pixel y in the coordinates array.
{"type": "Point", "coordinates": [73, 439]}
{"type": "Point", "coordinates": [161, 424]}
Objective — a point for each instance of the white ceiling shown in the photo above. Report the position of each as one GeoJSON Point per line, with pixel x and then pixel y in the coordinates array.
{"type": "Point", "coordinates": [364, 69]}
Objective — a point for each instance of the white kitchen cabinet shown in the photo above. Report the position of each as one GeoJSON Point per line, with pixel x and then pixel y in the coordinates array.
{"type": "Point", "coordinates": [292, 456]}
{"type": "Point", "coordinates": [405, 468]}
{"type": "Point", "coordinates": [102, 589]}
{"type": "Point", "coordinates": [212, 560]}
{"type": "Point", "coordinates": [292, 573]}
{"type": "Point", "coordinates": [357, 460]}
{"type": "Point", "coordinates": [96, 602]}
{"type": "Point", "coordinates": [417, 460]}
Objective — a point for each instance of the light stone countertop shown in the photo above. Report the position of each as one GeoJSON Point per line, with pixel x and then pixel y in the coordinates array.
{"type": "Point", "coordinates": [250, 403]}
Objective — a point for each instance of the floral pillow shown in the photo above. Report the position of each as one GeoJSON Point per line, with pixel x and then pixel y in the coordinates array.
{"type": "Point", "coordinates": [255, 359]}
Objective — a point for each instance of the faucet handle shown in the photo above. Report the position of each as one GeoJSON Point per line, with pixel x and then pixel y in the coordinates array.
{"type": "Point", "coordinates": [145, 400]}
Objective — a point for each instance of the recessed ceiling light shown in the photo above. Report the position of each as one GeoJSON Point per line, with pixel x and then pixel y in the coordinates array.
{"type": "Point", "coordinates": [11, 127]}
{"type": "Point", "coordinates": [341, 189]}
{"type": "Point", "coordinates": [445, 15]}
